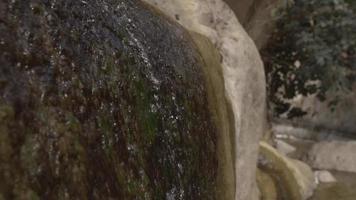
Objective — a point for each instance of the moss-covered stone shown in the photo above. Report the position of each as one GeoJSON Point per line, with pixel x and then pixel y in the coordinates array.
{"type": "Point", "coordinates": [100, 100]}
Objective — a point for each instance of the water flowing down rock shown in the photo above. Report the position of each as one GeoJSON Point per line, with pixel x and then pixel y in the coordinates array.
{"type": "Point", "coordinates": [244, 81]}
{"type": "Point", "coordinates": [222, 115]}
{"type": "Point", "coordinates": [102, 100]}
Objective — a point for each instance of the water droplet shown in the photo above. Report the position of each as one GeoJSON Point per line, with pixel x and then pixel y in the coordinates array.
{"type": "Point", "coordinates": [155, 96]}
{"type": "Point", "coordinates": [153, 108]}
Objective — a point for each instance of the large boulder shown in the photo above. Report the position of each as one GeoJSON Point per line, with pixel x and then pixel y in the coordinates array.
{"type": "Point", "coordinates": [102, 100]}
{"type": "Point", "coordinates": [333, 155]}
{"type": "Point", "coordinates": [258, 17]}
{"type": "Point", "coordinates": [244, 81]}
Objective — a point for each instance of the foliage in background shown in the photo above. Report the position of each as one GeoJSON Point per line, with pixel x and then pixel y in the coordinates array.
{"type": "Point", "coordinates": [312, 51]}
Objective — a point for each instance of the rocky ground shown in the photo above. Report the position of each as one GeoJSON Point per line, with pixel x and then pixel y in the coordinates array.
{"type": "Point", "coordinates": [345, 181]}
{"type": "Point", "coordinates": [331, 161]}
{"type": "Point", "coordinates": [343, 189]}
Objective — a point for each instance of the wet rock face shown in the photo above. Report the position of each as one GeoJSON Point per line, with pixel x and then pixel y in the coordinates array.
{"type": "Point", "coordinates": [99, 100]}
{"type": "Point", "coordinates": [244, 85]}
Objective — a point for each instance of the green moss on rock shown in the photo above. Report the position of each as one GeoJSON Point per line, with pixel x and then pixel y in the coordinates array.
{"type": "Point", "coordinates": [101, 100]}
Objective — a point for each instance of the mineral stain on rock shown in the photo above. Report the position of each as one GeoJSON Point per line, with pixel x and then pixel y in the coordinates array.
{"type": "Point", "coordinates": [99, 100]}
